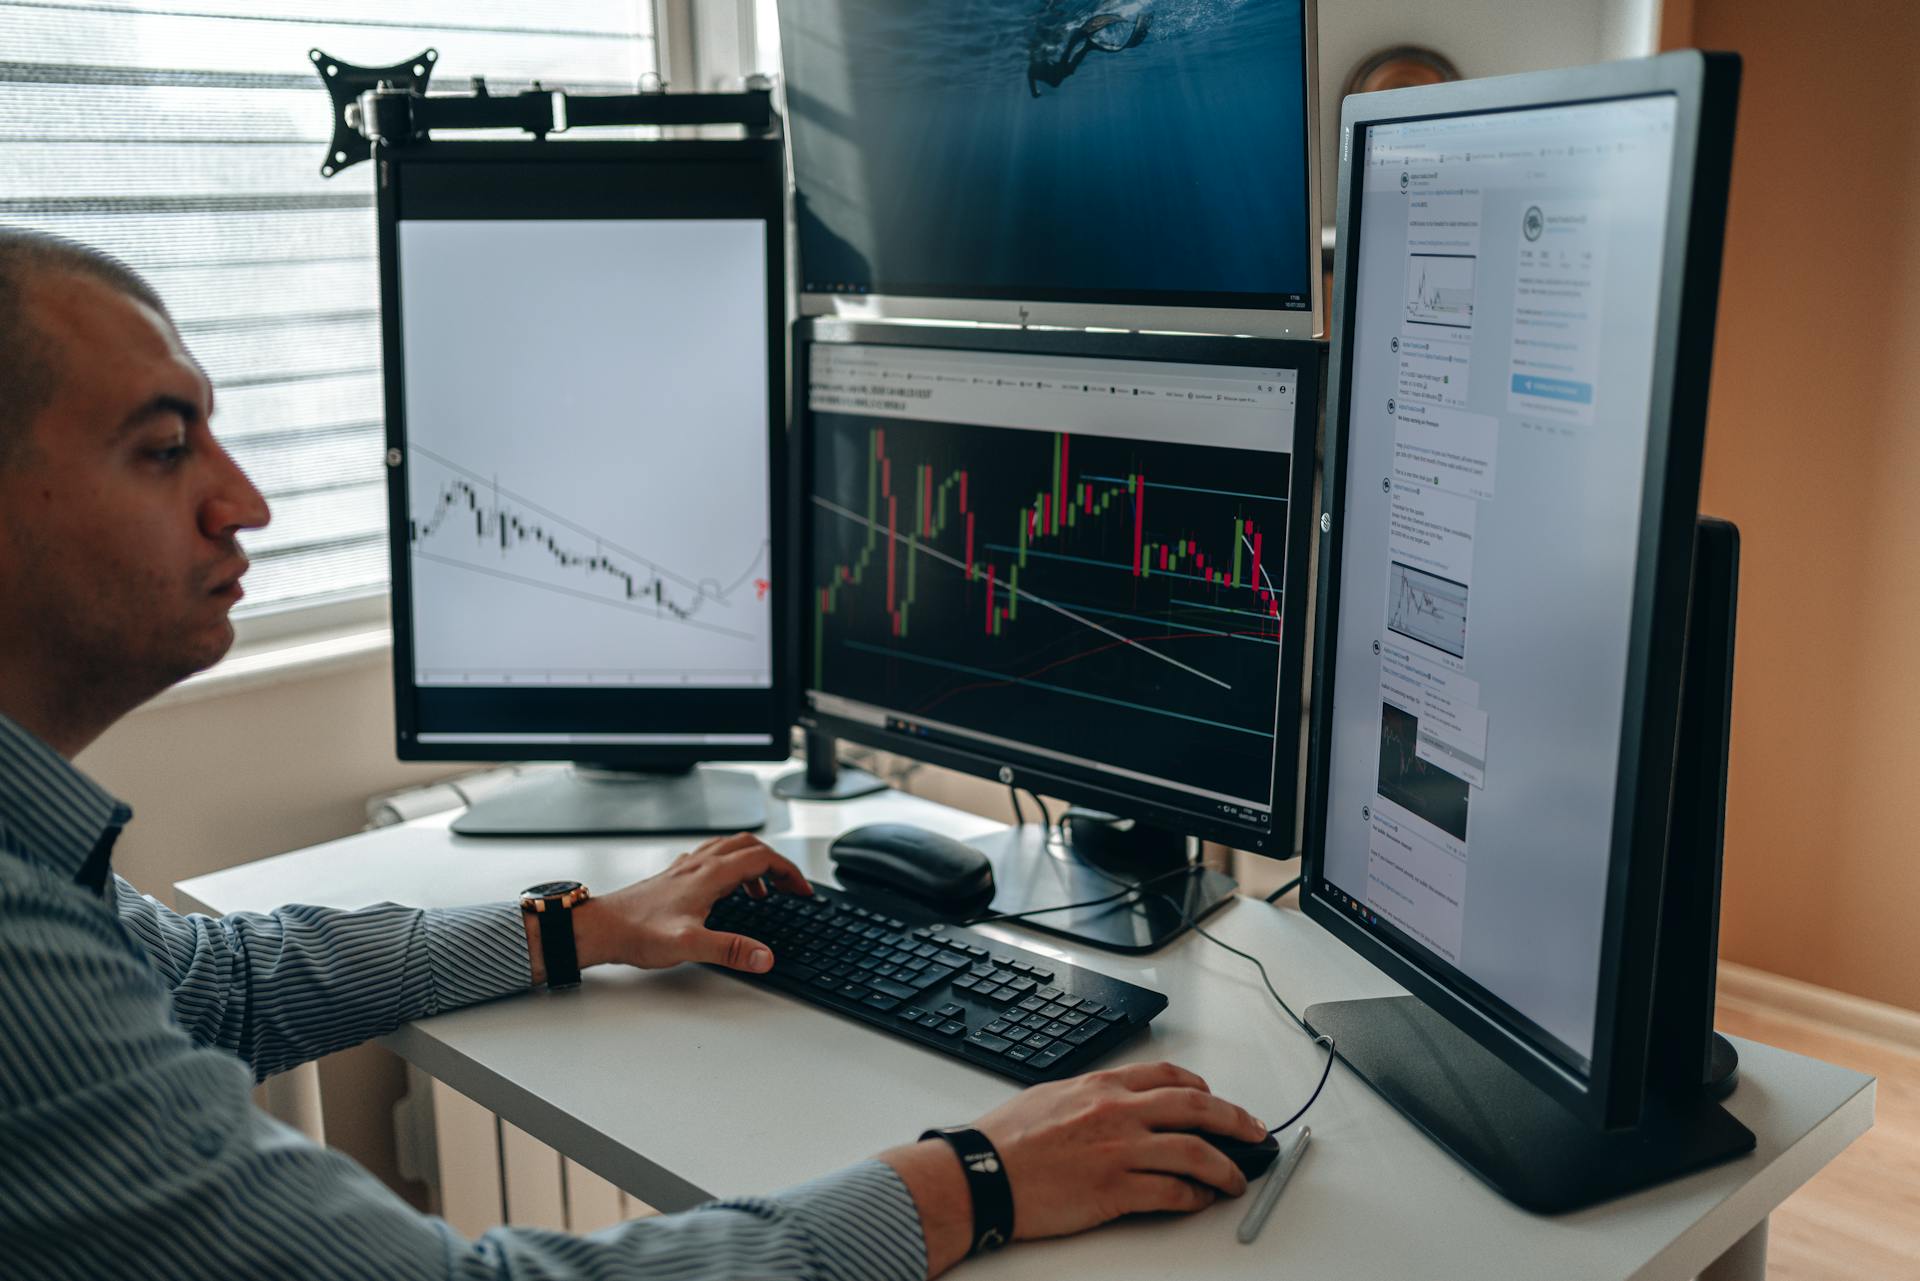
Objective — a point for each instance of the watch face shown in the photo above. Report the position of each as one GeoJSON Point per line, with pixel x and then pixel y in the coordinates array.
{"type": "Point", "coordinates": [549, 889]}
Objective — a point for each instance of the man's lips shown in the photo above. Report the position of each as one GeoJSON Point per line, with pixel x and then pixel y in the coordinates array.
{"type": "Point", "coordinates": [227, 583]}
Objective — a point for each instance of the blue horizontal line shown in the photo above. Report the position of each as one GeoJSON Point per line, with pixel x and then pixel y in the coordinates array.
{"type": "Point", "coordinates": [1058, 689]}
{"type": "Point", "coordinates": [1226, 609]}
{"type": "Point", "coordinates": [1190, 489]}
{"type": "Point", "coordinates": [1103, 564]}
{"type": "Point", "coordinates": [1167, 622]}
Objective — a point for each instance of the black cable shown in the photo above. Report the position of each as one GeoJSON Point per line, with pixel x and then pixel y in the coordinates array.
{"type": "Point", "coordinates": [1019, 815]}
{"type": "Point", "coordinates": [1319, 1038]}
{"type": "Point", "coordinates": [1046, 817]}
{"type": "Point", "coordinates": [1127, 890]}
{"type": "Point", "coordinates": [1290, 885]}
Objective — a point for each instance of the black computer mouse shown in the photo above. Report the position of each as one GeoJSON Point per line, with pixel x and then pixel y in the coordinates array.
{"type": "Point", "coordinates": [1252, 1158]}
{"type": "Point", "coordinates": [925, 866]}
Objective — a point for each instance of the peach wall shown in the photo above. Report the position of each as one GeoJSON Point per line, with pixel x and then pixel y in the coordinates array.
{"type": "Point", "coordinates": [1813, 447]}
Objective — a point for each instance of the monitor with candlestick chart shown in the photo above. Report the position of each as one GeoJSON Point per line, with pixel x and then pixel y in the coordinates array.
{"type": "Point", "coordinates": [1078, 557]}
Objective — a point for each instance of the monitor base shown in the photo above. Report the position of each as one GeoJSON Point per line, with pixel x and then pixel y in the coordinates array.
{"type": "Point", "coordinates": [825, 778]}
{"type": "Point", "coordinates": [1030, 873]}
{"type": "Point", "coordinates": [583, 801]}
{"type": "Point", "coordinates": [1503, 1128]}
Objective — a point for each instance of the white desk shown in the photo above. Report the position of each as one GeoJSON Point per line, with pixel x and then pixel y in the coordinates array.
{"type": "Point", "coordinates": [686, 1084]}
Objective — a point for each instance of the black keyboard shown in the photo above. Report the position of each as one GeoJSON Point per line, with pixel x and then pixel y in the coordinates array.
{"type": "Point", "coordinates": [943, 986]}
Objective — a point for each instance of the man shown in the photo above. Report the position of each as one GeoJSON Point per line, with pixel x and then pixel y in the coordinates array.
{"type": "Point", "coordinates": [128, 1146]}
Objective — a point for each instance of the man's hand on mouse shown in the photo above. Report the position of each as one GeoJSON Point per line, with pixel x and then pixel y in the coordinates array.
{"type": "Point", "coordinates": [1081, 1152]}
{"type": "Point", "coordinates": [662, 920]}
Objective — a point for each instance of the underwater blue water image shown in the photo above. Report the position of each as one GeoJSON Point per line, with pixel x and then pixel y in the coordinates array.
{"type": "Point", "coordinates": [1091, 150]}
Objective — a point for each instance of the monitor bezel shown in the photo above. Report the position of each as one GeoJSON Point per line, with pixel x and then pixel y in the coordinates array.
{"type": "Point", "coordinates": [1038, 773]}
{"type": "Point", "coordinates": [735, 179]}
{"type": "Point", "coordinates": [1152, 311]}
{"type": "Point", "coordinates": [1705, 87]}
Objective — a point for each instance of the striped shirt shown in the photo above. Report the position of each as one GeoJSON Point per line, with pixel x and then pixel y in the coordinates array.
{"type": "Point", "coordinates": [129, 1036]}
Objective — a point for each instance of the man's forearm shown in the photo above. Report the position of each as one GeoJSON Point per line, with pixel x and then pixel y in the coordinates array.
{"type": "Point", "coordinates": [938, 1186]}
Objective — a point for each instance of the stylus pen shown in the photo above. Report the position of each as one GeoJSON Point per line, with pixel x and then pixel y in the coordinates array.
{"type": "Point", "coordinates": [1270, 1194]}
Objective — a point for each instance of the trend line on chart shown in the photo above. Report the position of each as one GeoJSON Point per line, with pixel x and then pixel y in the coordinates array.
{"type": "Point", "coordinates": [941, 512]}
{"type": "Point", "coordinates": [504, 521]}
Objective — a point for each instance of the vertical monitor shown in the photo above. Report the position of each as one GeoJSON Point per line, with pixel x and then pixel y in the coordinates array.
{"type": "Point", "coordinates": [583, 381]}
{"type": "Point", "coordinates": [1515, 461]}
{"type": "Point", "coordinates": [1112, 162]}
{"type": "Point", "coordinates": [1075, 560]}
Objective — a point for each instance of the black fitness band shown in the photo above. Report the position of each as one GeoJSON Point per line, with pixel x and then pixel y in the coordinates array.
{"type": "Point", "coordinates": [986, 1183]}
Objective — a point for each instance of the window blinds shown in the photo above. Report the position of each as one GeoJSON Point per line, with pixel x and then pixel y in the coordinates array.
{"type": "Point", "coordinates": [186, 139]}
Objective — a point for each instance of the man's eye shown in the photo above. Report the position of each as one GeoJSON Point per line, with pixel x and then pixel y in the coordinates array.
{"type": "Point", "coordinates": [169, 454]}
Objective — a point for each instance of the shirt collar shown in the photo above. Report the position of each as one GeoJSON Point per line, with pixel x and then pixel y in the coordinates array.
{"type": "Point", "coordinates": [51, 815]}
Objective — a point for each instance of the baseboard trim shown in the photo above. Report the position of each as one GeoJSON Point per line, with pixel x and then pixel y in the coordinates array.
{"type": "Point", "coordinates": [1758, 990]}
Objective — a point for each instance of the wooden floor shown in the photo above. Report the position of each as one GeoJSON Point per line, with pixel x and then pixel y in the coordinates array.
{"type": "Point", "coordinates": [1859, 1219]}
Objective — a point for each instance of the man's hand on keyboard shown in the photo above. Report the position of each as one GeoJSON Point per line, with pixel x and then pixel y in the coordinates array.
{"type": "Point", "coordinates": [1083, 1151]}
{"type": "Point", "coordinates": [661, 921]}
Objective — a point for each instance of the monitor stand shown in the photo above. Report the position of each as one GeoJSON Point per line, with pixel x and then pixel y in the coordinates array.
{"type": "Point", "coordinates": [825, 778]}
{"type": "Point", "coordinates": [1500, 1125]}
{"type": "Point", "coordinates": [1029, 872]}
{"type": "Point", "coordinates": [587, 800]}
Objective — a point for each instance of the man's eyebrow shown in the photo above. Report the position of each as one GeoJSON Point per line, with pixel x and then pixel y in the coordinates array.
{"type": "Point", "coordinates": [160, 405]}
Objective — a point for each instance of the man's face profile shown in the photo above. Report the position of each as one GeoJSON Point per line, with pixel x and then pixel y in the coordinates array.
{"type": "Point", "coordinates": [118, 510]}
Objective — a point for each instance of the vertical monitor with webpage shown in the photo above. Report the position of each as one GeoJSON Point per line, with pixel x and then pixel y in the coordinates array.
{"type": "Point", "coordinates": [1076, 557]}
{"type": "Point", "coordinates": [1116, 162]}
{"type": "Point", "coordinates": [1506, 303]}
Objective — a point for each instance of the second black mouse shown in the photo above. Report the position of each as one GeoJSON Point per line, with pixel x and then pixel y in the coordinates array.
{"type": "Point", "coordinates": [1252, 1158]}
{"type": "Point", "coordinates": [934, 869]}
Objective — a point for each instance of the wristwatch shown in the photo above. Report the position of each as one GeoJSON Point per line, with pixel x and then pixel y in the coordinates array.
{"type": "Point", "coordinates": [553, 902]}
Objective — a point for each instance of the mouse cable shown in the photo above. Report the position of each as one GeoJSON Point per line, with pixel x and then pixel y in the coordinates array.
{"type": "Point", "coordinates": [1019, 815]}
{"type": "Point", "coordinates": [1319, 1038]}
{"type": "Point", "coordinates": [1130, 890]}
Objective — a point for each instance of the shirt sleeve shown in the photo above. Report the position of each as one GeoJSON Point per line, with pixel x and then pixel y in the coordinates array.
{"type": "Point", "coordinates": [282, 988]}
{"type": "Point", "coordinates": [127, 1148]}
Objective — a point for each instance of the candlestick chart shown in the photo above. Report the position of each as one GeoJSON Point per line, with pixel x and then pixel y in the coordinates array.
{"type": "Point", "coordinates": [1057, 590]}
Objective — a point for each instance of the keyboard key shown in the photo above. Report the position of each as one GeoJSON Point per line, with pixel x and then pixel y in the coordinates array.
{"type": "Point", "coordinates": [1021, 967]}
{"type": "Point", "coordinates": [1023, 985]}
{"type": "Point", "coordinates": [796, 971]}
{"type": "Point", "coordinates": [1019, 1054]}
{"type": "Point", "coordinates": [1081, 1035]}
{"type": "Point", "coordinates": [990, 1043]}
{"type": "Point", "coordinates": [1032, 1003]}
{"type": "Point", "coordinates": [926, 950]}
{"type": "Point", "coordinates": [1056, 1028]}
{"type": "Point", "coordinates": [950, 1011]}
{"type": "Point", "coordinates": [1091, 1007]}
{"type": "Point", "coordinates": [999, 1027]}
{"type": "Point", "coordinates": [856, 991]}
{"type": "Point", "coordinates": [1052, 1009]}
{"type": "Point", "coordinates": [899, 991]}
{"type": "Point", "coordinates": [881, 1001]}
{"type": "Point", "coordinates": [953, 1027]}
{"type": "Point", "coordinates": [1047, 1058]}
{"type": "Point", "coordinates": [1069, 1000]}
{"type": "Point", "coordinates": [1002, 961]}
{"type": "Point", "coordinates": [929, 979]}
{"type": "Point", "coordinates": [1073, 1018]}
{"type": "Point", "coordinates": [917, 964]}
{"type": "Point", "coordinates": [1050, 993]}
{"type": "Point", "coordinates": [931, 1021]}
{"type": "Point", "coordinates": [912, 1014]}
{"type": "Point", "coordinates": [1003, 993]}
{"type": "Point", "coordinates": [1045, 976]}
{"type": "Point", "coordinates": [964, 983]}
{"type": "Point", "coordinates": [952, 960]}
{"type": "Point", "coordinates": [825, 980]}
{"type": "Point", "coordinates": [1038, 1041]}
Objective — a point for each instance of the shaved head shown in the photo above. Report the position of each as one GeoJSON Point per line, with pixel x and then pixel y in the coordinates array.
{"type": "Point", "coordinates": [29, 362]}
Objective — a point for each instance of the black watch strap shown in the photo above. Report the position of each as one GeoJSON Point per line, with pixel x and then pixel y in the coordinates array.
{"type": "Point", "coordinates": [557, 949]}
{"type": "Point", "coordinates": [986, 1183]}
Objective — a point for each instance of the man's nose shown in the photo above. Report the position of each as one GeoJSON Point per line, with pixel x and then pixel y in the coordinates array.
{"type": "Point", "coordinates": [235, 504]}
